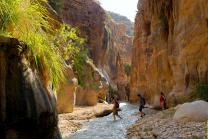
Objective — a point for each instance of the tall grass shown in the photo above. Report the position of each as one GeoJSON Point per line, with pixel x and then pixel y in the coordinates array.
{"type": "Point", "coordinates": [28, 21]}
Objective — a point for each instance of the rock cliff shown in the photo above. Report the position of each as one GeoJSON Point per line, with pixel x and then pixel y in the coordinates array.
{"type": "Point", "coordinates": [122, 19]}
{"type": "Point", "coordinates": [27, 106]}
{"type": "Point", "coordinates": [170, 48]}
{"type": "Point", "coordinates": [109, 45]}
{"type": "Point", "coordinates": [88, 17]}
{"type": "Point", "coordinates": [67, 92]}
{"type": "Point", "coordinates": [118, 57]}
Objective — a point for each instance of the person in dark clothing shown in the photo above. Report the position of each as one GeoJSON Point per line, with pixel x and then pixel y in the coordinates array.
{"type": "Point", "coordinates": [127, 88]}
{"type": "Point", "coordinates": [141, 106]}
{"type": "Point", "coordinates": [163, 101]}
{"type": "Point", "coordinates": [115, 108]}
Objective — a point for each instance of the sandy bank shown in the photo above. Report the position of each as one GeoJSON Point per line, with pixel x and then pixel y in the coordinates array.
{"type": "Point", "coordinates": [71, 122]}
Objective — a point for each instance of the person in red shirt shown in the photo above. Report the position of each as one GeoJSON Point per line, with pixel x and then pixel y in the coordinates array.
{"type": "Point", "coordinates": [162, 101]}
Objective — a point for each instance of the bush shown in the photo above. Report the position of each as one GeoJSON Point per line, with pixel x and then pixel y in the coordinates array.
{"type": "Point", "coordinates": [127, 69]}
{"type": "Point", "coordinates": [202, 92]}
{"type": "Point", "coordinates": [28, 21]}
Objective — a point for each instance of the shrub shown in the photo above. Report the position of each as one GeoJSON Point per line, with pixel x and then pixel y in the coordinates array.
{"type": "Point", "coordinates": [127, 69]}
{"type": "Point", "coordinates": [202, 92]}
{"type": "Point", "coordinates": [28, 21]}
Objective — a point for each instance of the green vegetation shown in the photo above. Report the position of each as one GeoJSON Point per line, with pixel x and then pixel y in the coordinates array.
{"type": "Point", "coordinates": [192, 96]}
{"type": "Point", "coordinates": [127, 69]}
{"type": "Point", "coordinates": [202, 92]}
{"type": "Point", "coordinates": [78, 63]}
{"type": "Point", "coordinates": [28, 21]}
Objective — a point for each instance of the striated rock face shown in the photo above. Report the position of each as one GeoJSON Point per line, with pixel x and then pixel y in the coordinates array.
{"type": "Point", "coordinates": [95, 86]}
{"type": "Point", "coordinates": [89, 18]}
{"type": "Point", "coordinates": [27, 107]}
{"type": "Point", "coordinates": [122, 19]}
{"type": "Point", "coordinates": [170, 47]}
{"type": "Point", "coordinates": [118, 55]}
{"type": "Point", "coordinates": [109, 46]}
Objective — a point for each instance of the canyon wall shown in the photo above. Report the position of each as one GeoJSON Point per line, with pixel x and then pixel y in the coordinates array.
{"type": "Point", "coordinates": [118, 57]}
{"type": "Point", "coordinates": [88, 17]}
{"type": "Point", "coordinates": [27, 106]}
{"type": "Point", "coordinates": [123, 20]}
{"type": "Point", "coordinates": [170, 48]}
{"type": "Point", "coordinates": [109, 46]}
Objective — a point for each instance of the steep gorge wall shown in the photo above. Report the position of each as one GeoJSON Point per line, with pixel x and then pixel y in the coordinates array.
{"type": "Point", "coordinates": [118, 55]}
{"type": "Point", "coordinates": [88, 17]}
{"type": "Point", "coordinates": [108, 44]}
{"type": "Point", "coordinates": [170, 48]}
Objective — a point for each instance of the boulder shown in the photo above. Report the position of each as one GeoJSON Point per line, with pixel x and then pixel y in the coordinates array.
{"type": "Point", "coordinates": [194, 111]}
{"type": "Point", "coordinates": [95, 86]}
{"type": "Point", "coordinates": [66, 93]}
{"type": "Point", "coordinates": [27, 106]}
{"type": "Point", "coordinates": [86, 97]}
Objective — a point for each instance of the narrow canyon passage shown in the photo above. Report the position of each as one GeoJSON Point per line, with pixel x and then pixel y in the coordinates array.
{"type": "Point", "coordinates": [106, 128]}
{"type": "Point", "coordinates": [64, 63]}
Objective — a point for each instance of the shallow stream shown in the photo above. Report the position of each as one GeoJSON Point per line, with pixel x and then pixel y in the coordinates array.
{"type": "Point", "coordinates": [106, 128]}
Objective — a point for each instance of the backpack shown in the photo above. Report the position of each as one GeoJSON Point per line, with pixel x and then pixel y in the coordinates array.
{"type": "Point", "coordinates": [117, 104]}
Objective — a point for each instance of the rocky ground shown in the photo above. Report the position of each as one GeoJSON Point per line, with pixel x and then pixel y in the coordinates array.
{"type": "Point", "coordinates": [162, 126]}
{"type": "Point", "coordinates": [71, 122]}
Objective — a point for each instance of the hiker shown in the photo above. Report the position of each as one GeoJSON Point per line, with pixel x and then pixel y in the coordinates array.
{"type": "Point", "coordinates": [127, 89]}
{"type": "Point", "coordinates": [163, 101]}
{"type": "Point", "coordinates": [116, 109]}
{"type": "Point", "coordinates": [141, 106]}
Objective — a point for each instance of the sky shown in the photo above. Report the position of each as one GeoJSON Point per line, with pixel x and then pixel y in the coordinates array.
{"type": "Point", "coordinates": [127, 8]}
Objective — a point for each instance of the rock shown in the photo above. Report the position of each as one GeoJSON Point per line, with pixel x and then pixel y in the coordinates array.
{"type": "Point", "coordinates": [194, 111]}
{"type": "Point", "coordinates": [124, 20]}
{"type": "Point", "coordinates": [165, 127]}
{"type": "Point", "coordinates": [89, 18]}
{"type": "Point", "coordinates": [66, 93]}
{"type": "Point", "coordinates": [27, 106]}
{"type": "Point", "coordinates": [117, 61]}
{"type": "Point", "coordinates": [170, 47]}
{"type": "Point", "coordinates": [95, 86]}
{"type": "Point", "coordinates": [104, 113]}
{"type": "Point", "coordinates": [86, 97]}
{"type": "Point", "coordinates": [109, 45]}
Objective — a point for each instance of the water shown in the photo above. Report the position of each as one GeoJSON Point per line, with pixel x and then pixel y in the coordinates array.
{"type": "Point", "coordinates": [106, 128]}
